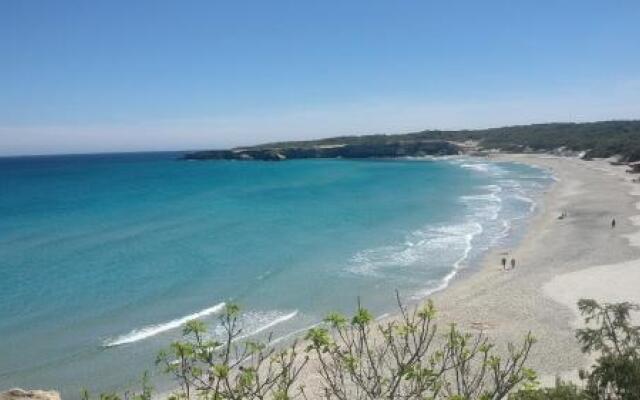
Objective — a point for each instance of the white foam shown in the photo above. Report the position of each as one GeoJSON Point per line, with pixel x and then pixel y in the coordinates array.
{"type": "Point", "coordinates": [476, 167]}
{"type": "Point", "coordinates": [485, 168]}
{"type": "Point", "coordinates": [264, 275]}
{"type": "Point", "coordinates": [255, 322]}
{"type": "Point", "coordinates": [450, 247]}
{"type": "Point", "coordinates": [506, 227]}
{"type": "Point", "coordinates": [417, 248]}
{"type": "Point", "coordinates": [305, 329]}
{"type": "Point", "coordinates": [153, 330]}
{"type": "Point", "coordinates": [525, 199]}
{"type": "Point", "coordinates": [272, 323]}
{"type": "Point", "coordinates": [382, 316]}
{"type": "Point", "coordinates": [457, 265]}
{"type": "Point", "coordinates": [487, 205]}
{"type": "Point", "coordinates": [294, 333]}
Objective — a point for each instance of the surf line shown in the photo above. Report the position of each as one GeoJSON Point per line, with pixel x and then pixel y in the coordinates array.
{"type": "Point", "coordinates": [153, 330]}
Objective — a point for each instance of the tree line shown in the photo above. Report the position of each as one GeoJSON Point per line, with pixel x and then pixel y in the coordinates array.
{"type": "Point", "coordinates": [595, 139]}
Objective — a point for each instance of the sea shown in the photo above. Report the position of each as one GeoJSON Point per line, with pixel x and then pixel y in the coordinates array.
{"type": "Point", "coordinates": [104, 258]}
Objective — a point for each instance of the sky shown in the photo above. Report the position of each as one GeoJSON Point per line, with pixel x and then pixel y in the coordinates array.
{"type": "Point", "coordinates": [101, 76]}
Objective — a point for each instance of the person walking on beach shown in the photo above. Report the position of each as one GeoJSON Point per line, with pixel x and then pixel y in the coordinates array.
{"type": "Point", "coordinates": [513, 263]}
{"type": "Point", "coordinates": [504, 263]}
{"type": "Point", "coordinates": [613, 223]}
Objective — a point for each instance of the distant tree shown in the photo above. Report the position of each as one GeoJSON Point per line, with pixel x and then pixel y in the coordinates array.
{"type": "Point", "coordinates": [594, 139]}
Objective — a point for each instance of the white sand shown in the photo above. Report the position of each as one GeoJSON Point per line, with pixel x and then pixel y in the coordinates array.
{"type": "Point", "coordinates": [559, 262]}
{"type": "Point", "coordinates": [604, 283]}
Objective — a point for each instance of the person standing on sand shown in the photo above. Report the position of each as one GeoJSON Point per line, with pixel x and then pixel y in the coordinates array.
{"type": "Point", "coordinates": [504, 263]}
{"type": "Point", "coordinates": [513, 263]}
{"type": "Point", "coordinates": [613, 223]}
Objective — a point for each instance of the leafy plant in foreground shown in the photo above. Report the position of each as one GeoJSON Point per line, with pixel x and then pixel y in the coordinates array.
{"type": "Point", "coordinates": [346, 358]}
{"type": "Point", "coordinates": [405, 359]}
{"type": "Point", "coordinates": [608, 332]}
{"type": "Point", "coordinates": [561, 391]}
{"type": "Point", "coordinates": [231, 368]}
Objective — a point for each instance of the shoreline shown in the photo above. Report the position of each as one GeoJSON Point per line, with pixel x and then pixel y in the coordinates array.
{"type": "Point", "coordinates": [553, 258]}
{"type": "Point", "coordinates": [506, 305]}
{"type": "Point", "coordinates": [466, 266]}
{"type": "Point", "coordinates": [459, 277]}
{"type": "Point", "coordinates": [558, 262]}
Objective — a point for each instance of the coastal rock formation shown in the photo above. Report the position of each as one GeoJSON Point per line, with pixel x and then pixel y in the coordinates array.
{"type": "Point", "coordinates": [414, 148]}
{"type": "Point", "coordinates": [21, 394]}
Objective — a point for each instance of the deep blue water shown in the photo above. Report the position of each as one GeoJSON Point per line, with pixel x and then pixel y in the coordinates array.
{"type": "Point", "coordinates": [103, 257]}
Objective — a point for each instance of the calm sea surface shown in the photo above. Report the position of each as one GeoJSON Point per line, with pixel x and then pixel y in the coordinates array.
{"type": "Point", "coordinates": [104, 257]}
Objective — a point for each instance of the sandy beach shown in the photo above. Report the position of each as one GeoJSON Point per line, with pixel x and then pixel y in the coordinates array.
{"type": "Point", "coordinates": [559, 261]}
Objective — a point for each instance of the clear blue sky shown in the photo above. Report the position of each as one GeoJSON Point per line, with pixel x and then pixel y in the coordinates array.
{"type": "Point", "coordinates": [111, 75]}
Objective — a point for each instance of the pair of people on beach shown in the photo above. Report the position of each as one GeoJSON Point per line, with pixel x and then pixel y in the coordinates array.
{"type": "Point", "coordinates": [504, 263]}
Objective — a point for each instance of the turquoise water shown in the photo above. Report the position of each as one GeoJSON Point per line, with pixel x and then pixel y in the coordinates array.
{"type": "Point", "coordinates": [102, 258]}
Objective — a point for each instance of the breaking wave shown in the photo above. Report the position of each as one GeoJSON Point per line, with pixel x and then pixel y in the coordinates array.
{"type": "Point", "coordinates": [153, 330]}
{"type": "Point", "coordinates": [256, 322]}
{"type": "Point", "coordinates": [485, 206]}
{"type": "Point", "coordinates": [436, 253]}
{"type": "Point", "coordinates": [485, 168]}
{"type": "Point", "coordinates": [417, 247]}
{"type": "Point", "coordinates": [275, 320]}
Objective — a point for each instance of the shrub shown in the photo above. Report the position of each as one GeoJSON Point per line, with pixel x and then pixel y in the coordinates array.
{"type": "Point", "coordinates": [561, 391]}
{"type": "Point", "coordinates": [360, 359]}
{"type": "Point", "coordinates": [230, 369]}
{"type": "Point", "coordinates": [356, 358]}
{"type": "Point", "coordinates": [609, 332]}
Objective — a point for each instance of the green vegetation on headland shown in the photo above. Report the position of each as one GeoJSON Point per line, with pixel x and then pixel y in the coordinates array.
{"type": "Point", "coordinates": [593, 139]}
{"type": "Point", "coordinates": [406, 358]}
